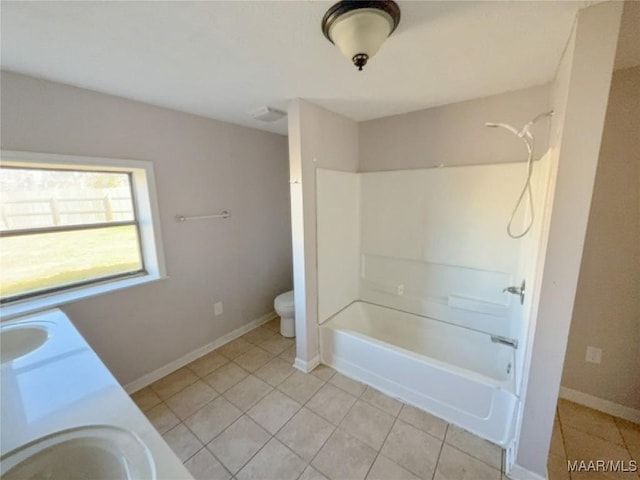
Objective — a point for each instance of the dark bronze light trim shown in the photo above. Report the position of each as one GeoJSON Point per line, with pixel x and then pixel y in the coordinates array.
{"type": "Point", "coordinates": [336, 11]}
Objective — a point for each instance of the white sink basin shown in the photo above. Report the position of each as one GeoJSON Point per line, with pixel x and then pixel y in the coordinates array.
{"type": "Point", "coordinates": [94, 452]}
{"type": "Point", "coordinates": [18, 340]}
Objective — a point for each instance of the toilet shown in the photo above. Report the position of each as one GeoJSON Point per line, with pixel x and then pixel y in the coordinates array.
{"type": "Point", "coordinates": [283, 305]}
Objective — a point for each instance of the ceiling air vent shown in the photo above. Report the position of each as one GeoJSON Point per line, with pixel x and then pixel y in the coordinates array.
{"type": "Point", "coordinates": [267, 114]}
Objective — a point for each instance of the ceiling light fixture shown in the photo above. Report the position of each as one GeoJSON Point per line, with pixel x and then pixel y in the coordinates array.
{"type": "Point", "coordinates": [359, 27]}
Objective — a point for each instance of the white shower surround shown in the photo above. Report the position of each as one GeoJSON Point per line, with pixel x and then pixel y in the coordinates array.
{"type": "Point", "coordinates": [416, 251]}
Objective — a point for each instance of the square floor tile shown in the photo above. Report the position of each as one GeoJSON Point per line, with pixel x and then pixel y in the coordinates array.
{"type": "Point", "coordinates": [384, 402]}
{"type": "Point", "coordinates": [238, 443]}
{"type": "Point", "coordinates": [235, 348]}
{"type": "Point", "coordinates": [253, 359]}
{"type": "Point", "coordinates": [277, 344]}
{"type": "Point", "coordinates": [146, 399]}
{"type": "Point", "coordinates": [475, 446]}
{"type": "Point", "coordinates": [368, 423]}
{"type": "Point", "coordinates": [162, 418]}
{"type": "Point", "coordinates": [226, 377]}
{"type": "Point", "coordinates": [204, 466]}
{"type": "Point", "coordinates": [182, 441]}
{"type": "Point", "coordinates": [248, 392]}
{"type": "Point", "coordinates": [583, 446]}
{"type": "Point", "coordinates": [273, 411]}
{"type": "Point", "coordinates": [186, 402]}
{"type": "Point", "coordinates": [300, 386]}
{"type": "Point", "coordinates": [385, 469]}
{"type": "Point", "coordinates": [344, 457]}
{"type": "Point", "coordinates": [588, 420]}
{"type": "Point", "coordinates": [331, 403]}
{"type": "Point", "coordinates": [305, 433]}
{"type": "Point", "coordinates": [347, 384]}
{"type": "Point", "coordinates": [259, 335]}
{"type": "Point", "coordinates": [323, 372]}
{"type": "Point", "coordinates": [275, 372]}
{"type": "Point", "coordinates": [212, 419]}
{"type": "Point", "coordinates": [173, 383]}
{"type": "Point", "coordinates": [457, 465]}
{"type": "Point", "coordinates": [557, 468]}
{"type": "Point", "coordinates": [424, 421]}
{"type": "Point", "coordinates": [273, 325]}
{"type": "Point", "coordinates": [289, 355]}
{"type": "Point", "coordinates": [207, 363]}
{"type": "Point", "coordinates": [412, 449]}
{"type": "Point", "coordinates": [273, 462]}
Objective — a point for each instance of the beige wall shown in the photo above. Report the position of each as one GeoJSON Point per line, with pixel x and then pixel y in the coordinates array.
{"type": "Point", "coordinates": [607, 309]}
{"type": "Point", "coordinates": [318, 138]}
{"type": "Point", "coordinates": [454, 134]}
{"type": "Point", "coordinates": [202, 166]}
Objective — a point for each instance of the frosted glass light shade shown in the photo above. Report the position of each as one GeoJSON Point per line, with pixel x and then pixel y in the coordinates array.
{"type": "Point", "coordinates": [359, 27]}
{"type": "Point", "coordinates": [361, 32]}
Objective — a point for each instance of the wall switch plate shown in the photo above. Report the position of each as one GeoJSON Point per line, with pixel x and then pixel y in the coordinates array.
{"type": "Point", "coordinates": [400, 290]}
{"type": "Point", "coordinates": [594, 355]}
{"type": "Point", "coordinates": [217, 308]}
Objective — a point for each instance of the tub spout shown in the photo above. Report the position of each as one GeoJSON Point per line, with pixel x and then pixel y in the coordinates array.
{"type": "Point", "coordinates": [512, 342]}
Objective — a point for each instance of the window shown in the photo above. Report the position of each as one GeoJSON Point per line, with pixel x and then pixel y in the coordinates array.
{"type": "Point", "coordinates": [72, 227]}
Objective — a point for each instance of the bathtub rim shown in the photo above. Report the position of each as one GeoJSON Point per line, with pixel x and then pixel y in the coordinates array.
{"type": "Point", "coordinates": [508, 384]}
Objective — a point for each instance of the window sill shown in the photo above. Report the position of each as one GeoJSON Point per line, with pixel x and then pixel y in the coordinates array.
{"type": "Point", "coordinates": [33, 305]}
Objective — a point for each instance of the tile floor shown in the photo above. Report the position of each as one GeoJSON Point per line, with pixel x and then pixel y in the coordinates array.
{"type": "Point", "coordinates": [580, 433]}
{"type": "Point", "coordinates": [243, 412]}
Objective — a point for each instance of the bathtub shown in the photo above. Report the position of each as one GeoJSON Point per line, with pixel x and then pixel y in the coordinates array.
{"type": "Point", "coordinates": [455, 373]}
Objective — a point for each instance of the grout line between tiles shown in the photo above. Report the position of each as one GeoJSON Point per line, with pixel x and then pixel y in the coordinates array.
{"type": "Point", "coordinates": [624, 440]}
{"type": "Point", "coordinates": [336, 427]}
{"type": "Point", "coordinates": [191, 383]}
{"type": "Point", "coordinates": [250, 458]}
{"type": "Point", "coordinates": [435, 467]}
{"type": "Point", "coordinates": [378, 453]}
{"type": "Point", "coordinates": [564, 443]}
{"type": "Point", "coordinates": [272, 436]}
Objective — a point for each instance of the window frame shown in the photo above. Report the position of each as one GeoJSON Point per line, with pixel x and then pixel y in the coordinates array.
{"type": "Point", "coordinates": [145, 205]}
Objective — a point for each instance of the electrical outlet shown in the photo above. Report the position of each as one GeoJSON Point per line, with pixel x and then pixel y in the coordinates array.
{"type": "Point", "coordinates": [594, 355]}
{"type": "Point", "coordinates": [217, 309]}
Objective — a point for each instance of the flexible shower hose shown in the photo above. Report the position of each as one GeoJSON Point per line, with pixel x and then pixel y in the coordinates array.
{"type": "Point", "coordinates": [526, 189]}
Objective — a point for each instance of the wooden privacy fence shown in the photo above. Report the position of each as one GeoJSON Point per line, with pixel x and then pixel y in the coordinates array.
{"type": "Point", "coordinates": [53, 211]}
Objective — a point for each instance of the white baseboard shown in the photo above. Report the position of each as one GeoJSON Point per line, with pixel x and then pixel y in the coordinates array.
{"type": "Point", "coordinates": [600, 404]}
{"type": "Point", "coordinates": [520, 473]}
{"type": "Point", "coordinates": [306, 367]}
{"type": "Point", "coordinates": [157, 374]}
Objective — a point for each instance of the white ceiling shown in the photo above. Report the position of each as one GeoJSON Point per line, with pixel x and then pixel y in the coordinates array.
{"type": "Point", "coordinates": [222, 59]}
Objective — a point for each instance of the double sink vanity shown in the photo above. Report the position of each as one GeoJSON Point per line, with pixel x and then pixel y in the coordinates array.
{"type": "Point", "coordinates": [64, 416]}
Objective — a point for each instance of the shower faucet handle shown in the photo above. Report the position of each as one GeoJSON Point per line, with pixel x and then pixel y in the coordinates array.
{"type": "Point", "coordinates": [516, 291]}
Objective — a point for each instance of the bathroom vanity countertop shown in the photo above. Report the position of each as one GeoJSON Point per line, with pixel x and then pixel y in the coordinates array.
{"type": "Point", "coordinates": [63, 384]}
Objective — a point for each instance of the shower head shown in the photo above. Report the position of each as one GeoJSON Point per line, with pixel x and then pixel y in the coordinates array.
{"type": "Point", "coordinates": [525, 130]}
{"type": "Point", "coordinates": [502, 125]}
{"type": "Point", "coordinates": [550, 113]}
